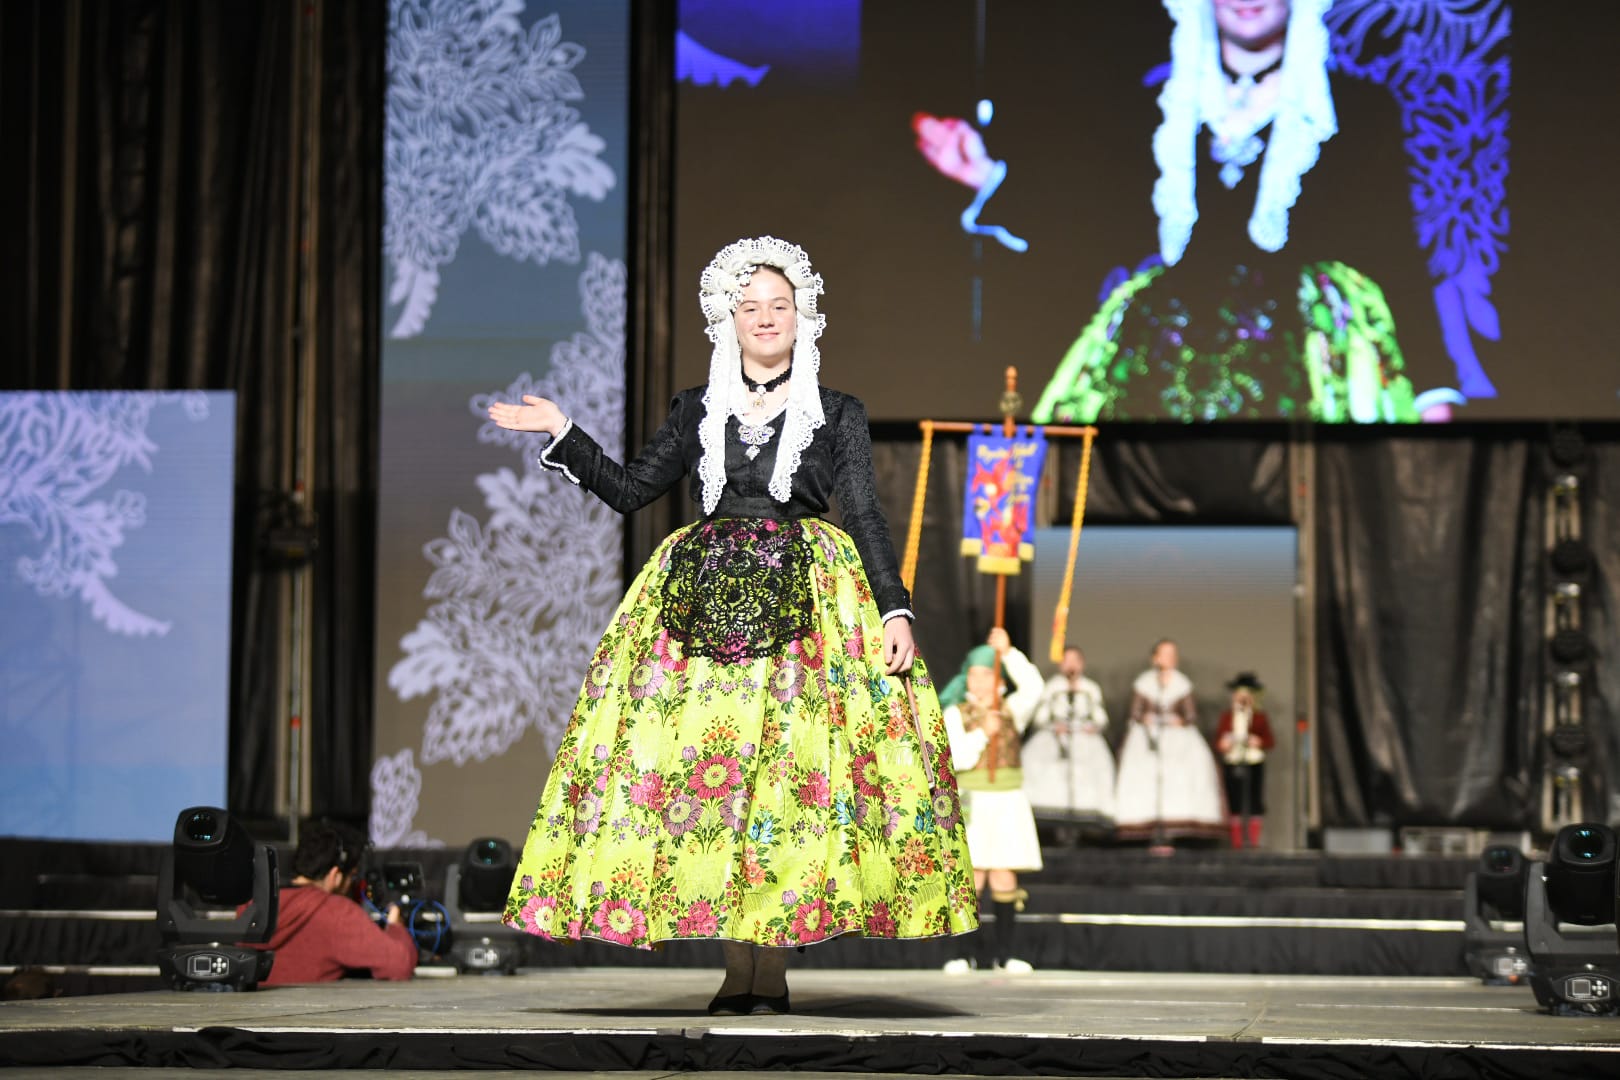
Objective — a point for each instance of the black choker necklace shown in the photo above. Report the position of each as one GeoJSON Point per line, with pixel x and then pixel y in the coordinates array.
{"type": "Point", "coordinates": [1252, 77]}
{"type": "Point", "coordinates": [760, 389]}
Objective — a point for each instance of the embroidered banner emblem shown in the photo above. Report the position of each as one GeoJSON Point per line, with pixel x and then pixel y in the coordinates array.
{"type": "Point", "coordinates": [998, 517]}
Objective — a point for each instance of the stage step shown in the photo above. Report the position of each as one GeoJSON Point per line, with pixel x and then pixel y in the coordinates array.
{"type": "Point", "coordinates": [1096, 909]}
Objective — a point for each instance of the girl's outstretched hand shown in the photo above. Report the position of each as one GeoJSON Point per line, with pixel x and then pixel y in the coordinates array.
{"type": "Point", "coordinates": [535, 414]}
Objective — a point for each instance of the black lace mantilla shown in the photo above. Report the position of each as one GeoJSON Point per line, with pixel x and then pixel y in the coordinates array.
{"type": "Point", "coordinates": [738, 589]}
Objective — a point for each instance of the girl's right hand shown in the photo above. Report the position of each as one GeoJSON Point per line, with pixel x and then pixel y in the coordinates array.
{"type": "Point", "coordinates": [535, 414]}
{"type": "Point", "coordinates": [953, 147]}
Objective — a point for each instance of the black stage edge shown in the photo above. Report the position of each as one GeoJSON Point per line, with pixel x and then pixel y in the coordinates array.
{"type": "Point", "coordinates": [699, 1051]}
{"type": "Point", "coordinates": [613, 1020]}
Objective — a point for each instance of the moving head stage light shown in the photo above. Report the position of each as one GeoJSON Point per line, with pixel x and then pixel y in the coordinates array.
{"type": "Point", "coordinates": [474, 897]}
{"type": "Point", "coordinates": [1574, 970]}
{"type": "Point", "coordinates": [1493, 918]}
{"type": "Point", "coordinates": [213, 868]}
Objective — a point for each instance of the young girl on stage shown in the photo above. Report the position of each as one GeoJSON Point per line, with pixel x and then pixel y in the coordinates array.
{"type": "Point", "coordinates": [986, 735]}
{"type": "Point", "coordinates": [757, 755]}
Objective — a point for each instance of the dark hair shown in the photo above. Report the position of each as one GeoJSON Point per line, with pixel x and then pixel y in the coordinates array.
{"type": "Point", "coordinates": [777, 270]}
{"type": "Point", "coordinates": [1161, 643]}
{"type": "Point", "coordinates": [326, 844]}
{"type": "Point", "coordinates": [1071, 647]}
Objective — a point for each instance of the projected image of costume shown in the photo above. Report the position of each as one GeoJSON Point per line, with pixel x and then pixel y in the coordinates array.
{"type": "Point", "coordinates": [1068, 765]}
{"type": "Point", "coordinates": [1248, 311]}
{"type": "Point", "coordinates": [1168, 787]}
{"type": "Point", "coordinates": [986, 747]}
{"type": "Point", "coordinates": [755, 756]}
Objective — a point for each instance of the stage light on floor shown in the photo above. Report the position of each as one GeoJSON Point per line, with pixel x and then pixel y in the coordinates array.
{"type": "Point", "coordinates": [213, 868]}
{"type": "Point", "coordinates": [486, 874]}
{"type": "Point", "coordinates": [1569, 906]}
{"type": "Point", "coordinates": [475, 893]}
{"type": "Point", "coordinates": [1580, 875]}
{"type": "Point", "coordinates": [1493, 918]}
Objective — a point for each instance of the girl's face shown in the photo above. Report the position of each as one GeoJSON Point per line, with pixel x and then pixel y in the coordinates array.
{"type": "Point", "coordinates": [765, 318]}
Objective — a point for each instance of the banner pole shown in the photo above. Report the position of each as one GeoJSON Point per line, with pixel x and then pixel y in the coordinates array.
{"type": "Point", "coordinates": [1010, 404]}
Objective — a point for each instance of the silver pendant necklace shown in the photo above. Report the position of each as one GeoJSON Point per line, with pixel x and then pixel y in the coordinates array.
{"type": "Point", "coordinates": [753, 436]}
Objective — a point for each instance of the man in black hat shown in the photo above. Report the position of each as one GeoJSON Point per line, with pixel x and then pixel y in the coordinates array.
{"type": "Point", "coordinates": [1242, 739]}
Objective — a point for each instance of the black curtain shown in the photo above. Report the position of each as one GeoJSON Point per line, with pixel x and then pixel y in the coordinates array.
{"type": "Point", "coordinates": [1433, 653]}
{"type": "Point", "coordinates": [1430, 605]}
{"type": "Point", "coordinates": [152, 205]}
{"type": "Point", "coordinates": [1601, 514]}
{"type": "Point", "coordinates": [348, 281]}
{"type": "Point", "coordinates": [1145, 474]}
{"type": "Point", "coordinates": [649, 369]}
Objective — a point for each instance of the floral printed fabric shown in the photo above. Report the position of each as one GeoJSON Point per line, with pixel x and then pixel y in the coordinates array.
{"type": "Point", "coordinates": [782, 800]}
{"type": "Point", "coordinates": [1328, 353]}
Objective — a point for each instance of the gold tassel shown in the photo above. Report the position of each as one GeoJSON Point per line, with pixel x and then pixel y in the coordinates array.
{"type": "Point", "coordinates": [908, 567]}
{"type": "Point", "coordinates": [1060, 618]}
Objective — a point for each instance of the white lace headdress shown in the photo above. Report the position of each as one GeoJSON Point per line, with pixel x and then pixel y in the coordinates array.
{"type": "Point", "coordinates": [1195, 95]}
{"type": "Point", "coordinates": [720, 292]}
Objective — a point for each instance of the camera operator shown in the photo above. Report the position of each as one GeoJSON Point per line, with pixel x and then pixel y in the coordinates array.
{"type": "Point", "coordinates": [321, 933]}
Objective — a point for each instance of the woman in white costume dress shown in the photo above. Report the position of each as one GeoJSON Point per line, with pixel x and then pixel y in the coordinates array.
{"type": "Point", "coordinates": [1068, 764]}
{"type": "Point", "coordinates": [1169, 787]}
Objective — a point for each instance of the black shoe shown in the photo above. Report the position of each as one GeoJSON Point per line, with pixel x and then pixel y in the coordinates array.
{"type": "Point", "coordinates": [771, 1006]}
{"type": "Point", "coordinates": [734, 1005]}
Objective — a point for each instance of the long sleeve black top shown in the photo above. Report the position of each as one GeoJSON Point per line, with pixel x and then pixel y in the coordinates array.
{"type": "Point", "coordinates": [837, 462]}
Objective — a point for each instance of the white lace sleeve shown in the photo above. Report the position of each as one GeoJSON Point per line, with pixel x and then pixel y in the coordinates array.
{"type": "Point", "coordinates": [546, 461]}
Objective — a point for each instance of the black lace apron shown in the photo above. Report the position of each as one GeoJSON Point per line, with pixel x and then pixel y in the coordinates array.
{"type": "Point", "coordinates": [739, 589]}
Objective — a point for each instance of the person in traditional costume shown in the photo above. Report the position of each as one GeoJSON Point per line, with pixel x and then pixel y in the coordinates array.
{"type": "Point", "coordinates": [985, 741]}
{"type": "Point", "coordinates": [1168, 787]}
{"type": "Point", "coordinates": [1259, 302]}
{"type": "Point", "coordinates": [757, 756]}
{"type": "Point", "coordinates": [1242, 739]}
{"type": "Point", "coordinates": [1068, 764]}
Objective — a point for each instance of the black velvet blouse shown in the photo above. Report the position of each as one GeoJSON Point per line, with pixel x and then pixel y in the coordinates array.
{"type": "Point", "coordinates": [837, 462]}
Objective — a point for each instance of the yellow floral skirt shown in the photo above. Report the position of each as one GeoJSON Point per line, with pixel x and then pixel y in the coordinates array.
{"type": "Point", "coordinates": [739, 766]}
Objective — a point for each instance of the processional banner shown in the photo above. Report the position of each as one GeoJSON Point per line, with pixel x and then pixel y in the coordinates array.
{"type": "Point", "coordinates": [998, 515]}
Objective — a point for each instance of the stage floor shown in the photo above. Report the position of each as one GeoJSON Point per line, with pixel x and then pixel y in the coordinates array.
{"type": "Point", "coordinates": [627, 1021]}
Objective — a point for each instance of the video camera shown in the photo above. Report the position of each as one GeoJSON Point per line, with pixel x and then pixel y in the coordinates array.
{"type": "Point", "coordinates": [401, 883]}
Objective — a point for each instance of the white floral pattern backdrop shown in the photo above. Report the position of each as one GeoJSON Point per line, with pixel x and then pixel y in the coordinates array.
{"type": "Point", "coordinates": [503, 238]}
{"type": "Point", "coordinates": [115, 601]}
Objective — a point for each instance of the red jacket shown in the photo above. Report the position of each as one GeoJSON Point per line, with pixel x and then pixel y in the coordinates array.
{"type": "Point", "coordinates": [320, 937]}
{"type": "Point", "coordinates": [1258, 725]}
